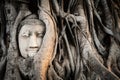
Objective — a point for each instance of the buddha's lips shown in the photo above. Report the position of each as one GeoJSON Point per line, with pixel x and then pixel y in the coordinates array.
{"type": "Point", "coordinates": [32, 50]}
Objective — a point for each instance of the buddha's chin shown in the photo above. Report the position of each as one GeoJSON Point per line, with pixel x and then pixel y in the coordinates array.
{"type": "Point", "coordinates": [32, 54]}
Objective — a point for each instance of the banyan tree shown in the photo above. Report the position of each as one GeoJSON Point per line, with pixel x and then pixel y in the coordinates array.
{"type": "Point", "coordinates": [73, 39]}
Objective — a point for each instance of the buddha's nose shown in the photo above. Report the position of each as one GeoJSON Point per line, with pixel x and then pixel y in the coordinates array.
{"type": "Point", "coordinates": [33, 42]}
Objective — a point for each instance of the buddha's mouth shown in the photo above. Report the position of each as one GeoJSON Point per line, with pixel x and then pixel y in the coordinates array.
{"type": "Point", "coordinates": [34, 50]}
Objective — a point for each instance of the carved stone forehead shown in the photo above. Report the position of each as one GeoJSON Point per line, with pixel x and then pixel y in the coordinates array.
{"type": "Point", "coordinates": [32, 22]}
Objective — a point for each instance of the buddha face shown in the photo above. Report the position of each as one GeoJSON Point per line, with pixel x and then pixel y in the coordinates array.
{"type": "Point", "coordinates": [30, 39]}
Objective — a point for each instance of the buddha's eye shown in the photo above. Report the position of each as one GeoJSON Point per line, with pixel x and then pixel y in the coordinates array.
{"type": "Point", "coordinates": [39, 34]}
{"type": "Point", "coordinates": [26, 34]}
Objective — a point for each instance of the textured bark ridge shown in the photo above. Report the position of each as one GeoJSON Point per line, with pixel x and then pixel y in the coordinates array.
{"type": "Point", "coordinates": [44, 56]}
{"type": "Point", "coordinates": [81, 40]}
